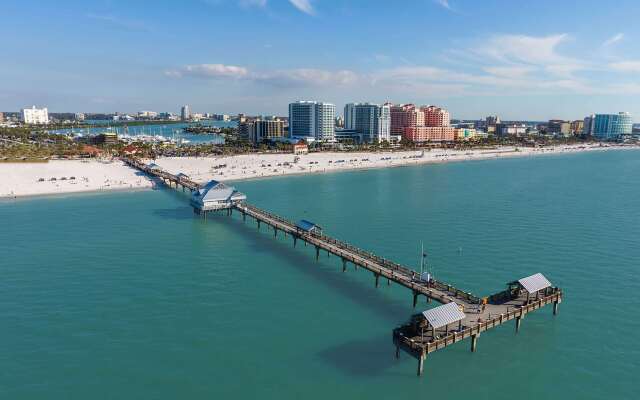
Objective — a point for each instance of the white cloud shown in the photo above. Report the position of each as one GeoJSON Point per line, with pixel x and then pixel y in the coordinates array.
{"type": "Point", "coordinates": [509, 71]}
{"type": "Point", "coordinates": [286, 78]}
{"type": "Point", "coordinates": [444, 3]}
{"type": "Point", "coordinates": [613, 40]}
{"type": "Point", "coordinates": [303, 5]}
{"type": "Point", "coordinates": [525, 49]}
{"type": "Point", "coordinates": [626, 66]}
{"type": "Point", "coordinates": [210, 71]}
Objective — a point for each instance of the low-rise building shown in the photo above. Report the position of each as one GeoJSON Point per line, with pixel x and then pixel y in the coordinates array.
{"type": "Point", "coordinates": [300, 148]}
{"type": "Point", "coordinates": [511, 129]}
{"type": "Point", "coordinates": [465, 134]}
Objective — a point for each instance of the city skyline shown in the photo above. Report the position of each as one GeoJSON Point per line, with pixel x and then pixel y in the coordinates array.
{"type": "Point", "coordinates": [257, 56]}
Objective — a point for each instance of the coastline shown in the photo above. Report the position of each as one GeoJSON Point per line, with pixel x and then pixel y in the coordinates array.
{"type": "Point", "coordinates": [93, 176]}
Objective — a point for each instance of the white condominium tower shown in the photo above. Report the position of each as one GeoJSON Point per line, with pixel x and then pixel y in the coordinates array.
{"type": "Point", "coordinates": [185, 113]}
{"type": "Point", "coordinates": [312, 119]}
{"type": "Point", "coordinates": [35, 115]}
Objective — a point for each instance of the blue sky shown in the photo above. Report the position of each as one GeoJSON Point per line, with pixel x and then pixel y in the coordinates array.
{"type": "Point", "coordinates": [518, 59]}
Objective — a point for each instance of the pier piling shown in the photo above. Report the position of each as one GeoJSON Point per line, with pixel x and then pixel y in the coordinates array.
{"type": "Point", "coordinates": [421, 364]}
{"type": "Point", "coordinates": [555, 308]}
{"type": "Point", "coordinates": [474, 342]}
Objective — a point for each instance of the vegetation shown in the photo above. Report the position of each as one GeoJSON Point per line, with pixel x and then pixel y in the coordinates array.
{"type": "Point", "coordinates": [32, 143]}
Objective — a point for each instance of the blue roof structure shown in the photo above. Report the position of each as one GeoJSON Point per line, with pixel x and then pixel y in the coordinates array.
{"type": "Point", "coordinates": [307, 226]}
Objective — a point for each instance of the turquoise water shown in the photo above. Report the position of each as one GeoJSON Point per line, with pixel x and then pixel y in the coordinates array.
{"type": "Point", "coordinates": [127, 295]}
{"type": "Point", "coordinates": [167, 130]}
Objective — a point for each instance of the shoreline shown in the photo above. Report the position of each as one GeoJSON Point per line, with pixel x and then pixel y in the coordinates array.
{"type": "Point", "coordinates": [21, 180]}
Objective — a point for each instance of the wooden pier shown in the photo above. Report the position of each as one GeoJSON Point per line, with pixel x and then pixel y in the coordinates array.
{"type": "Point", "coordinates": [416, 337]}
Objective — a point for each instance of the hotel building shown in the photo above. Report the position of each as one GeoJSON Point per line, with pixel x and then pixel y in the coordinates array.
{"type": "Point", "coordinates": [312, 119]}
{"type": "Point", "coordinates": [35, 115]}
{"type": "Point", "coordinates": [612, 126]}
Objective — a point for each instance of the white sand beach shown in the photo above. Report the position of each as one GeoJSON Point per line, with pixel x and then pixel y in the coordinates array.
{"type": "Point", "coordinates": [24, 179]}
{"type": "Point", "coordinates": [233, 168]}
{"type": "Point", "coordinates": [33, 179]}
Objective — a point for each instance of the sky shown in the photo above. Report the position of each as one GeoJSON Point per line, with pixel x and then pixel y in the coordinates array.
{"type": "Point", "coordinates": [521, 60]}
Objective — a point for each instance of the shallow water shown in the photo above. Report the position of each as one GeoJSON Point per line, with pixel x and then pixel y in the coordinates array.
{"type": "Point", "coordinates": [128, 295]}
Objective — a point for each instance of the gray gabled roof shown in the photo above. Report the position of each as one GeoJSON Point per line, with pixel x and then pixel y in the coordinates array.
{"type": "Point", "coordinates": [443, 315]}
{"type": "Point", "coordinates": [534, 283]}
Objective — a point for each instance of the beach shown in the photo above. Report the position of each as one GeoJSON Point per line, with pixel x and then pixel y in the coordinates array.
{"type": "Point", "coordinates": [70, 176]}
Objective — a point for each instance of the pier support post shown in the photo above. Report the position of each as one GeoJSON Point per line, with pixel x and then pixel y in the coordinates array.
{"type": "Point", "coordinates": [397, 351]}
{"type": "Point", "coordinates": [244, 217]}
{"type": "Point", "coordinates": [474, 342]}
{"type": "Point", "coordinates": [317, 253]}
{"type": "Point", "coordinates": [377, 280]}
{"type": "Point", "coordinates": [295, 240]}
{"type": "Point", "coordinates": [275, 232]}
{"type": "Point", "coordinates": [421, 364]}
{"type": "Point", "coordinates": [518, 322]}
{"type": "Point", "coordinates": [428, 299]}
{"type": "Point", "coordinates": [555, 307]}
{"type": "Point", "coordinates": [258, 223]}
{"type": "Point", "coordinates": [344, 264]}
{"type": "Point", "coordinates": [415, 299]}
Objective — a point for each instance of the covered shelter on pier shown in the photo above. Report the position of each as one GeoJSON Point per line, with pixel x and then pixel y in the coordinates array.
{"type": "Point", "coordinates": [532, 285]}
{"type": "Point", "coordinates": [444, 315]}
{"type": "Point", "coordinates": [153, 167]}
{"type": "Point", "coordinates": [216, 195]}
{"type": "Point", "coordinates": [182, 176]}
{"type": "Point", "coordinates": [308, 227]}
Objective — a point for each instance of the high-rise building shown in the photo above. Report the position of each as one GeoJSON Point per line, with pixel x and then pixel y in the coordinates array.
{"type": "Point", "coordinates": [589, 125]}
{"type": "Point", "coordinates": [492, 120]}
{"type": "Point", "coordinates": [325, 122]}
{"type": "Point", "coordinates": [79, 116]}
{"type": "Point", "coordinates": [577, 127]}
{"type": "Point", "coordinates": [384, 124]}
{"type": "Point", "coordinates": [612, 126]}
{"type": "Point", "coordinates": [411, 123]}
{"type": "Point", "coordinates": [559, 127]}
{"type": "Point", "coordinates": [371, 122]}
{"type": "Point", "coordinates": [312, 119]}
{"type": "Point", "coordinates": [404, 116]}
{"type": "Point", "coordinates": [185, 113]}
{"type": "Point", "coordinates": [35, 115]}
{"type": "Point", "coordinates": [1, 117]}
{"type": "Point", "coordinates": [266, 129]}
{"type": "Point", "coordinates": [435, 116]}
{"type": "Point", "coordinates": [350, 116]}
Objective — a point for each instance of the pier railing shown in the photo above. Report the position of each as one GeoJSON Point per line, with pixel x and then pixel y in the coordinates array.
{"type": "Point", "coordinates": [417, 346]}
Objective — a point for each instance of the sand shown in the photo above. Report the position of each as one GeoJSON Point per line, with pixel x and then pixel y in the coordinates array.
{"type": "Point", "coordinates": [234, 168]}
{"type": "Point", "coordinates": [22, 179]}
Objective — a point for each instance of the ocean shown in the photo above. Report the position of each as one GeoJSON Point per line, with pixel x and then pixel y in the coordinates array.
{"type": "Point", "coordinates": [130, 295]}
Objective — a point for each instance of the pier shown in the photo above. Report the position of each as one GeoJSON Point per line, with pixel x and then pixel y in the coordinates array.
{"type": "Point", "coordinates": [460, 316]}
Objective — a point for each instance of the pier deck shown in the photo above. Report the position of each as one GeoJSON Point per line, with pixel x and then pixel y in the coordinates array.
{"type": "Point", "coordinates": [415, 337]}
